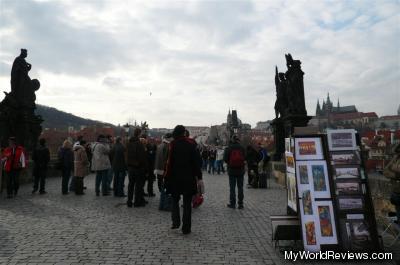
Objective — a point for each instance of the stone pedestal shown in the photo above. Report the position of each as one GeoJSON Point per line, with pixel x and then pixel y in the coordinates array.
{"type": "Point", "coordinates": [283, 128]}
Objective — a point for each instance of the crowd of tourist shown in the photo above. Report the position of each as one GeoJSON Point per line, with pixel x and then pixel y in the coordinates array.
{"type": "Point", "coordinates": [177, 164]}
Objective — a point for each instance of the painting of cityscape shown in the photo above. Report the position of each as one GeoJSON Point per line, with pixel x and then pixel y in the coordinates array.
{"type": "Point", "coordinates": [350, 203]}
{"type": "Point", "coordinates": [341, 140]}
{"type": "Point", "coordinates": [345, 158]}
{"type": "Point", "coordinates": [347, 172]}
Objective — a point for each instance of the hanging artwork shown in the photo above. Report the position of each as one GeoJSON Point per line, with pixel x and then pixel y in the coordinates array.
{"type": "Point", "coordinates": [326, 222]}
{"type": "Point", "coordinates": [342, 139]}
{"type": "Point", "coordinates": [308, 148]}
{"type": "Point", "coordinates": [345, 157]}
{"type": "Point", "coordinates": [289, 162]}
{"type": "Point", "coordinates": [291, 191]}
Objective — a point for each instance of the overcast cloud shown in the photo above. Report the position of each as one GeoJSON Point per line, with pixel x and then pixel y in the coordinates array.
{"type": "Point", "coordinates": [188, 62]}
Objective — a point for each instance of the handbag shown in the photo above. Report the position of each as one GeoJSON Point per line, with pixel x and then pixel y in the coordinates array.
{"type": "Point", "coordinates": [197, 200]}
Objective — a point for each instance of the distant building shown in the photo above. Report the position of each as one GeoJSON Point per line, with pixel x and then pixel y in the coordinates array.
{"type": "Point", "coordinates": [328, 108]}
{"type": "Point", "coordinates": [388, 122]}
{"type": "Point", "coordinates": [263, 125]}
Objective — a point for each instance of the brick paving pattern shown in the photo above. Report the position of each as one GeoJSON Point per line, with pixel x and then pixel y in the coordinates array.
{"type": "Point", "coordinates": [70, 229]}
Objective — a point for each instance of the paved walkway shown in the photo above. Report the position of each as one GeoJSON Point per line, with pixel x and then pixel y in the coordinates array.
{"type": "Point", "coordinates": [69, 229]}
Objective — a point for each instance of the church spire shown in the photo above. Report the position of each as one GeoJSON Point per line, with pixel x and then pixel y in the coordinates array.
{"type": "Point", "coordinates": [338, 104]}
{"type": "Point", "coordinates": [318, 111]}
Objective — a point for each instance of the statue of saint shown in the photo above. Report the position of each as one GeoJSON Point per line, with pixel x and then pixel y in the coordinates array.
{"type": "Point", "coordinates": [19, 74]}
{"type": "Point", "coordinates": [295, 87]}
{"type": "Point", "coordinates": [281, 98]}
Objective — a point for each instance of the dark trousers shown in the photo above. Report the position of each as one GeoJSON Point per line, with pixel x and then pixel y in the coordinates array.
{"type": "Point", "coordinates": [72, 184]}
{"type": "Point", "coordinates": [39, 179]}
{"type": "Point", "coordinates": [236, 180]}
{"type": "Point", "coordinates": [66, 174]}
{"type": "Point", "coordinates": [136, 184]}
{"type": "Point", "coordinates": [187, 211]}
{"type": "Point", "coordinates": [102, 178]}
{"type": "Point", "coordinates": [150, 180]}
{"type": "Point", "coordinates": [78, 185]}
{"type": "Point", "coordinates": [12, 179]}
{"type": "Point", "coordinates": [119, 180]}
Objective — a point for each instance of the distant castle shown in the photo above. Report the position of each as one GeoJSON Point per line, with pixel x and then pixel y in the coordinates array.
{"type": "Point", "coordinates": [328, 108]}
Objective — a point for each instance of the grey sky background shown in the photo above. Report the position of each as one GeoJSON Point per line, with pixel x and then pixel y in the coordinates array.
{"type": "Point", "coordinates": [101, 59]}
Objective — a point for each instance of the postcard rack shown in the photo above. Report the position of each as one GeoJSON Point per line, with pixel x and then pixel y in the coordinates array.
{"type": "Point", "coordinates": [328, 190]}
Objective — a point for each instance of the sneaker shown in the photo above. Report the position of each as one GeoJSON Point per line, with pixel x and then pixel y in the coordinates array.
{"type": "Point", "coordinates": [129, 204]}
{"type": "Point", "coordinates": [42, 192]}
{"type": "Point", "coordinates": [240, 206]}
{"type": "Point", "coordinates": [175, 226]}
{"type": "Point", "coordinates": [231, 206]}
{"type": "Point", "coordinates": [186, 231]}
{"type": "Point", "coordinates": [139, 205]}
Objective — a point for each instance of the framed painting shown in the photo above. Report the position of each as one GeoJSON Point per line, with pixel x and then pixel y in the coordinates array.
{"type": "Point", "coordinates": [289, 162]}
{"type": "Point", "coordinates": [291, 191]}
{"type": "Point", "coordinates": [345, 157]}
{"type": "Point", "coordinates": [308, 148]}
{"type": "Point", "coordinates": [326, 222]}
{"type": "Point", "coordinates": [348, 187]}
{"type": "Point", "coordinates": [351, 203]}
{"type": "Point", "coordinates": [313, 175]}
{"type": "Point", "coordinates": [346, 172]}
{"type": "Point", "coordinates": [310, 224]}
{"type": "Point", "coordinates": [343, 139]}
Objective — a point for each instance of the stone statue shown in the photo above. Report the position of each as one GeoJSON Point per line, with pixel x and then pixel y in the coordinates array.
{"type": "Point", "coordinates": [295, 87]}
{"type": "Point", "coordinates": [17, 110]}
{"type": "Point", "coordinates": [281, 103]}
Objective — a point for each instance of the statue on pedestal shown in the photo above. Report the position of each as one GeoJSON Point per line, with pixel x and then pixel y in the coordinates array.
{"type": "Point", "coordinates": [281, 103]}
{"type": "Point", "coordinates": [295, 87]}
{"type": "Point", "coordinates": [17, 110]}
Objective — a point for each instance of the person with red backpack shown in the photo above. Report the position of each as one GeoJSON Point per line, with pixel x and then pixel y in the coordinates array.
{"type": "Point", "coordinates": [234, 156]}
{"type": "Point", "coordinates": [14, 157]}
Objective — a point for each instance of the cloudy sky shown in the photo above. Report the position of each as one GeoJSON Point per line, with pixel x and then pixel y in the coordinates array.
{"type": "Point", "coordinates": [188, 62]}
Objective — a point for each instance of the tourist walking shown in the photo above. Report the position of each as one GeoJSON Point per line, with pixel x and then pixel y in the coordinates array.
{"type": "Point", "coordinates": [101, 165]}
{"type": "Point", "coordinates": [212, 156]}
{"type": "Point", "coordinates": [81, 166]}
{"type": "Point", "coordinates": [110, 173]}
{"type": "Point", "coordinates": [234, 156]}
{"type": "Point", "coordinates": [14, 161]}
{"type": "Point", "coordinates": [66, 164]}
{"type": "Point", "coordinates": [41, 159]}
{"type": "Point", "coordinates": [119, 167]}
{"type": "Point", "coordinates": [204, 157]}
{"type": "Point", "coordinates": [137, 166]}
{"type": "Point", "coordinates": [182, 175]}
{"type": "Point", "coordinates": [220, 160]}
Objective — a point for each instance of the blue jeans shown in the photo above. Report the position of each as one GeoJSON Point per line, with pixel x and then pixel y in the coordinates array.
{"type": "Point", "coordinates": [220, 166]}
{"type": "Point", "coordinates": [66, 174]}
{"type": "Point", "coordinates": [211, 166]}
{"type": "Point", "coordinates": [102, 177]}
{"type": "Point", "coordinates": [119, 179]}
{"type": "Point", "coordinates": [233, 181]}
{"type": "Point", "coordinates": [204, 165]}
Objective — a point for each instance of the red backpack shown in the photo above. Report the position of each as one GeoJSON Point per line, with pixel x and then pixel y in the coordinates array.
{"type": "Point", "coordinates": [236, 158]}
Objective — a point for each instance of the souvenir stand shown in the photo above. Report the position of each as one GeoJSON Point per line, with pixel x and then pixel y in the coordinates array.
{"type": "Point", "coordinates": [328, 191]}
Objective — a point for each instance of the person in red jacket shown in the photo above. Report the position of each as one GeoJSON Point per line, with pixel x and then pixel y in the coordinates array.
{"type": "Point", "coordinates": [14, 160]}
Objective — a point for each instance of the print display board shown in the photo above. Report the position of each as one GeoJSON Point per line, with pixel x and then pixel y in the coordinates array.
{"type": "Point", "coordinates": [313, 181]}
{"type": "Point", "coordinates": [354, 209]}
{"type": "Point", "coordinates": [290, 178]}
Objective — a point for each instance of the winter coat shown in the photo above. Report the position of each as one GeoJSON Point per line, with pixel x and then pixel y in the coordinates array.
{"type": "Point", "coordinates": [81, 162]}
{"type": "Point", "coordinates": [233, 170]}
{"type": "Point", "coordinates": [15, 159]}
{"type": "Point", "coordinates": [136, 156]}
{"type": "Point", "coordinates": [66, 158]}
{"type": "Point", "coordinates": [253, 157]}
{"type": "Point", "coordinates": [41, 157]}
{"type": "Point", "coordinates": [100, 159]}
{"type": "Point", "coordinates": [161, 158]}
{"type": "Point", "coordinates": [183, 167]}
{"type": "Point", "coordinates": [118, 157]}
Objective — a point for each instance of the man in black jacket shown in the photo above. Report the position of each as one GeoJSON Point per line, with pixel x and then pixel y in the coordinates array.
{"type": "Point", "coordinates": [234, 156]}
{"type": "Point", "coordinates": [137, 169]}
{"type": "Point", "coordinates": [119, 167]}
{"type": "Point", "coordinates": [182, 176]}
{"type": "Point", "coordinates": [41, 158]}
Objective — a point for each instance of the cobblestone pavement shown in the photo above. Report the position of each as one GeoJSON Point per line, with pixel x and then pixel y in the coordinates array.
{"type": "Point", "coordinates": [69, 229]}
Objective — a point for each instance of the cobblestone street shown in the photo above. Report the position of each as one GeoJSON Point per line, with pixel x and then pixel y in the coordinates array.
{"type": "Point", "coordinates": [69, 229]}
